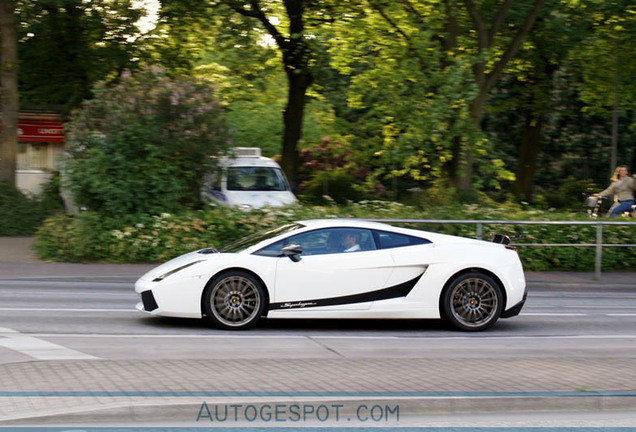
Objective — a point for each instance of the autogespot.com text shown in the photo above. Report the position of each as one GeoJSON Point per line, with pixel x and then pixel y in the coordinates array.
{"type": "Point", "coordinates": [278, 413]}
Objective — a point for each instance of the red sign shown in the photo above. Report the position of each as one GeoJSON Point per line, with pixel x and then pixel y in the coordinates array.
{"type": "Point", "coordinates": [40, 128]}
{"type": "Point", "coordinates": [45, 128]}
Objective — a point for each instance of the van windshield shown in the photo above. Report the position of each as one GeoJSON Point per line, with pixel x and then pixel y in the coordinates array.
{"type": "Point", "coordinates": [256, 179]}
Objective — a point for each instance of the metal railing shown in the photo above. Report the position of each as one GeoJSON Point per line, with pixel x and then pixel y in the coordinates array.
{"type": "Point", "coordinates": [599, 224]}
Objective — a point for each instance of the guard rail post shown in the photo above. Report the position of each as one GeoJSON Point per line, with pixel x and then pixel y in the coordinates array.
{"type": "Point", "coordinates": [599, 251]}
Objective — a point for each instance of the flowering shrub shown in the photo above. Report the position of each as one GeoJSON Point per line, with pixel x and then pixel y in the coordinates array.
{"type": "Point", "coordinates": [144, 145]}
{"type": "Point", "coordinates": [90, 237]}
{"type": "Point", "coordinates": [329, 169]}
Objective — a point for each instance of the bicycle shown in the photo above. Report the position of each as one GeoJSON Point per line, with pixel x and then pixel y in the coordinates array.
{"type": "Point", "coordinates": [594, 203]}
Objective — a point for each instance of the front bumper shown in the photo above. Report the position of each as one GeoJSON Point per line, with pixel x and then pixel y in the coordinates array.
{"type": "Point", "coordinates": [170, 298]}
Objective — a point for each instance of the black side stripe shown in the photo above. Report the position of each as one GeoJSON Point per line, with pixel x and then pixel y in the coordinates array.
{"type": "Point", "coordinates": [401, 290]}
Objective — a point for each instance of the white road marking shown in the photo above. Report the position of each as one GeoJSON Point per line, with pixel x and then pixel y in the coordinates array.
{"type": "Point", "coordinates": [133, 310]}
{"type": "Point", "coordinates": [552, 314]}
{"type": "Point", "coordinates": [37, 348]}
{"type": "Point", "coordinates": [18, 309]}
{"type": "Point", "coordinates": [369, 337]}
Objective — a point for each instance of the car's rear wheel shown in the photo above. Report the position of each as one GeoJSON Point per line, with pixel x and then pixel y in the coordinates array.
{"type": "Point", "coordinates": [472, 302]}
{"type": "Point", "coordinates": [234, 300]}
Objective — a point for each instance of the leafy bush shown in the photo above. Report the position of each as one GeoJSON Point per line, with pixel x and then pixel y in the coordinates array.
{"type": "Point", "coordinates": [21, 215]}
{"type": "Point", "coordinates": [91, 237]}
{"type": "Point", "coordinates": [144, 145]}
{"type": "Point", "coordinates": [337, 185]}
{"type": "Point", "coordinates": [331, 166]}
{"type": "Point", "coordinates": [571, 194]}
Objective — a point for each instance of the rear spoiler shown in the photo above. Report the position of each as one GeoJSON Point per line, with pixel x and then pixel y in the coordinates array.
{"type": "Point", "coordinates": [501, 239]}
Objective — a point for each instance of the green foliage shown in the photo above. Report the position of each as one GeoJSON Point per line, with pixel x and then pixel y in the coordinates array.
{"type": "Point", "coordinates": [21, 215]}
{"type": "Point", "coordinates": [329, 171]}
{"type": "Point", "coordinates": [92, 237]}
{"type": "Point", "coordinates": [253, 85]}
{"type": "Point", "coordinates": [335, 185]}
{"type": "Point", "coordinates": [65, 46]}
{"type": "Point", "coordinates": [571, 194]}
{"type": "Point", "coordinates": [407, 106]}
{"type": "Point", "coordinates": [609, 56]}
{"type": "Point", "coordinates": [394, 81]}
{"type": "Point", "coordinates": [143, 146]}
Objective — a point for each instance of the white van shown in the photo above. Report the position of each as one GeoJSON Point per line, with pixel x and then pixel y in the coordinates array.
{"type": "Point", "coordinates": [247, 180]}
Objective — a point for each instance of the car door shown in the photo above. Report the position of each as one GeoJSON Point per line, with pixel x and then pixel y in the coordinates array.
{"type": "Point", "coordinates": [331, 274]}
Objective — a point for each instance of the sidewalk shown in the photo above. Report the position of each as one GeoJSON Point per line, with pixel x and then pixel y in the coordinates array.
{"type": "Point", "coordinates": [17, 260]}
{"type": "Point", "coordinates": [163, 391]}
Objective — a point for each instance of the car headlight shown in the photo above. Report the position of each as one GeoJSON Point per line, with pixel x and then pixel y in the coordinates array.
{"type": "Point", "coordinates": [171, 272]}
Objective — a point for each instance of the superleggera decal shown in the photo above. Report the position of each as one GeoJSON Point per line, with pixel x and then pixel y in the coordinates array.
{"type": "Point", "coordinates": [401, 290]}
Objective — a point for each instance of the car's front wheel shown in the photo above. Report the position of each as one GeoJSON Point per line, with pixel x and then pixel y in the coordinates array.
{"type": "Point", "coordinates": [234, 300]}
{"type": "Point", "coordinates": [472, 302]}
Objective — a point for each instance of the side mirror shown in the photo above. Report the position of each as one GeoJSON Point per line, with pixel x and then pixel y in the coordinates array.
{"type": "Point", "coordinates": [293, 251]}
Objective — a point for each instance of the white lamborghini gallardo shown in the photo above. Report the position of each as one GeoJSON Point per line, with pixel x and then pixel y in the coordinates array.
{"type": "Point", "coordinates": [338, 268]}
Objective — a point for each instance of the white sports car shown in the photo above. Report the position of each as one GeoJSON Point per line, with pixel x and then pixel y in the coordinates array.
{"type": "Point", "coordinates": [340, 269]}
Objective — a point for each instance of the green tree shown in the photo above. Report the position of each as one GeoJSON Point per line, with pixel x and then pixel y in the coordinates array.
{"type": "Point", "coordinates": [297, 58]}
{"type": "Point", "coordinates": [144, 145]}
{"type": "Point", "coordinates": [245, 69]}
{"type": "Point", "coordinates": [559, 27]}
{"type": "Point", "coordinates": [537, 113]}
{"type": "Point", "coordinates": [446, 58]}
{"type": "Point", "coordinates": [181, 34]}
{"type": "Point", "coordinates": [250, 82]}
{"type": "Point", "coordinates": [251, 25]}
{"type": "Point", "coordinates": [66, 46]}
{"type": "Point", "coordinates": [609, 59]}
{"type": "Point", "coordinates": [497, 45]}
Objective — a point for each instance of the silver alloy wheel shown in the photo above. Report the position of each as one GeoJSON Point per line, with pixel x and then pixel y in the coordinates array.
{"type": "Point", "coordinates": [474, 302]}
{"type": "Point", "coordinates": [235, 301]}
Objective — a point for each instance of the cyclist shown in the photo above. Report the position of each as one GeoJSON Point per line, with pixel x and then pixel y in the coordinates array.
{"type": "Point", "coordinates": [622, 187]}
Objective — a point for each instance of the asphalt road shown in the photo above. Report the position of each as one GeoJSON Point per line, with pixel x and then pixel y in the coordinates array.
{"type": "Point", "coordinates": [98, 318]}
{"type": "Point", "coordinates": [77, 349]}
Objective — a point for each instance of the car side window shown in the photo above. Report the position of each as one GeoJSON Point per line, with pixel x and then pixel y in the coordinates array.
{"type": "Point", "coordinates": [325, 241]}
{"type": "Point", "coordinates": [388, 240]}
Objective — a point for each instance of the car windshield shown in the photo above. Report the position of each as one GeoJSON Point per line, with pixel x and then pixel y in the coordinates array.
{"type": "Point", "coordinates": [256, 179]}
{"type": "Point", "coordinates": [253, 239]}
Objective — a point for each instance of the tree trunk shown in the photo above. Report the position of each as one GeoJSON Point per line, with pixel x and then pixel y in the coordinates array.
{"type": "Point", "coordinates": [449, 43]}
{"type": "Point", "coordinates": [293, 121]}
{"type": "Point", "coordinates": [9, 93]}
{"type": "Point", "coordinates": [528, 154]}
{"type": "Point", "coordinates": [538, 87]}
{"type": "Point", "coordinates": [296, 59]}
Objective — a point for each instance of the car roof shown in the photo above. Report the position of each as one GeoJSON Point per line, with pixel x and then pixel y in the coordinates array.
{"type": "Point", "coordinates": [249, 162]}
{"type": "Point", "coordinates": [361, 223]}
{"type": "Point", "coordinates": [348, 223]}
